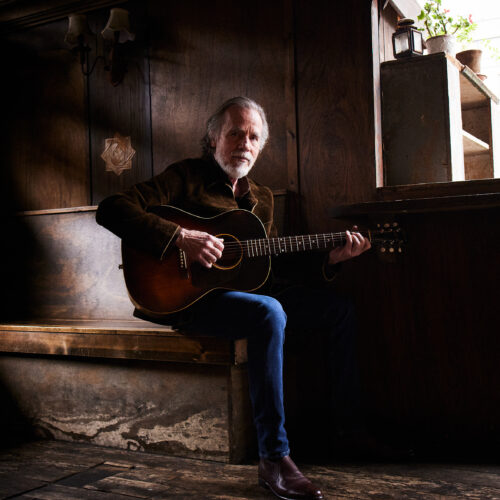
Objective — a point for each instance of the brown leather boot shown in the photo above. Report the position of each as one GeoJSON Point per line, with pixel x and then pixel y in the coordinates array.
{"type": "Point", "coordinates": [285, 480]}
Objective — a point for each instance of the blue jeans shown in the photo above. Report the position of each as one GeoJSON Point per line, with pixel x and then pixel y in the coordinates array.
{"type": "Point", "coordinates": [261, 320]}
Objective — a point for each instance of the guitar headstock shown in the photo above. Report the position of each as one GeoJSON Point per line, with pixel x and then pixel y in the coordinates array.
{"type": "Point", "coordinates": [388, 238]}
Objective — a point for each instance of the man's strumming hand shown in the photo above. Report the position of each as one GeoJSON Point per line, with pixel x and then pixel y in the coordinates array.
{"type": "Point", "coordinates": [200, 246]}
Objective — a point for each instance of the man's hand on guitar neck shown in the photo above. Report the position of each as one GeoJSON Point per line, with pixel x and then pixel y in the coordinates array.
{"type": "Point", "coordinates": [200, 246]}
{"type": "Point", "coordinates": [355, 245]}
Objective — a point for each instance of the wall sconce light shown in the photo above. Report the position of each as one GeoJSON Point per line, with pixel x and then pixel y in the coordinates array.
{"type": "Point", "coordinates": [115, 33]}
{"type": "Point", "coordinates": [407, 40]}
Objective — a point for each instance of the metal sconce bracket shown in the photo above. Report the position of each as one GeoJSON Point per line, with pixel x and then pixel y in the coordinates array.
{"type": "Point", "coordinates": [114, 35]}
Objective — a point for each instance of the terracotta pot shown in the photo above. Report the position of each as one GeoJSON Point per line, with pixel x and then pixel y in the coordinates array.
{"type": "Point", "coordinates": [471, 58]}
{"type": "Point", "coordinates": [441, 43]}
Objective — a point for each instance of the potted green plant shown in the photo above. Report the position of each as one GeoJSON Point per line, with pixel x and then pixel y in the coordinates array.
{"type": "Point", "coordinates": [443, 29]}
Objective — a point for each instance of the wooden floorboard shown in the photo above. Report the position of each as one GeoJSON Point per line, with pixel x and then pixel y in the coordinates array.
{"type": "Point", "coordinates": [53, 470]}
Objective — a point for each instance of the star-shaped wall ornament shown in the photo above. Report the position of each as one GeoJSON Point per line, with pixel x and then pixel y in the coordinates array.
{"type": "Point", "coordinates": [118, 154]}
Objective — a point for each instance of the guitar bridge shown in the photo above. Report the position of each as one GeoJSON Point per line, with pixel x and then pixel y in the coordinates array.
{"type": "Point", "coordinates": [183, 264]}
{"type": "Point", "coordinates": [182, 259]}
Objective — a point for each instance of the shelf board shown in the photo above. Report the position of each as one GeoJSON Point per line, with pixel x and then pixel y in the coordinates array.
{"type": "Point", "coordinates": [473, 145]}
{"type": "Point", "coordinates": [473, 91]}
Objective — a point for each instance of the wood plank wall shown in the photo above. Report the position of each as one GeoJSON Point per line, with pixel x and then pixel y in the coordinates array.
{"type": "Point", "coordinates": [124, 109]}
{"type": "Point", "coordinates": [45, 141]}
{"type": "Point", "coordinates": [201, 56]}
{"type": "Point", "coordinates": [196, 57]}
{"type": "Point", "coordinates": [188, 57]}
{"type": "Point", "coordinates": [335, 107]}
{"type": "Point", "coordinates": [428, 332]}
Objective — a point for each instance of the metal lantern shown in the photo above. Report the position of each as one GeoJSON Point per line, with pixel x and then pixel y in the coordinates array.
{"type": "Point", "coordinates": [407, 40]}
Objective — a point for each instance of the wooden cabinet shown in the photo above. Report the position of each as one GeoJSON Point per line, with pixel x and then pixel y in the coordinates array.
{"type": "Point", "coordinates": [438, 122]}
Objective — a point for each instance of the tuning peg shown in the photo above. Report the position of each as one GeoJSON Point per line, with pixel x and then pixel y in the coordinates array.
{"type": "Point", "coordinates": [382, 249]}
{"type": "Point", "coordinates": [391, 250]}
{"type": "Point", "coordinates": [387, 224]}
{"type": "Point", "coordinates": [395, 224]}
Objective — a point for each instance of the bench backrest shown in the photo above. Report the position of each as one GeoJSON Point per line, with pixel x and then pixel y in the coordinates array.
{"type": "Point", "coordinates": [73, 267]}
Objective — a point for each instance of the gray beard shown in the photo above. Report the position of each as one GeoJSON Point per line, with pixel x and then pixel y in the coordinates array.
{"type": "Point", "coordinates": [234, 172]}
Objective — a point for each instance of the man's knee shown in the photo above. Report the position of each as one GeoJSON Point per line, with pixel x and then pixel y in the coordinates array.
{"type": "Point", "coordinates": [338, 308]}
{"type": "Point", "coordinates": [343, 321]}
{"type": "Point", "coordinates": [271, 311]}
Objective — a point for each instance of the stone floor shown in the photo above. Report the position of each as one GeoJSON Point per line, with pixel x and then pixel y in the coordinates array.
{"type": "Point", "coordinates": [64, 471]}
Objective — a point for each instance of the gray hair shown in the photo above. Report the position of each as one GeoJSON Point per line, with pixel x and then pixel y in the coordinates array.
{"type": "Point", "coordinates": [215, 122]}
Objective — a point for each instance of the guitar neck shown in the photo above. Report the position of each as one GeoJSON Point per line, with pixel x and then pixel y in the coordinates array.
{"type": "Point", "coordinates": [289, 244]}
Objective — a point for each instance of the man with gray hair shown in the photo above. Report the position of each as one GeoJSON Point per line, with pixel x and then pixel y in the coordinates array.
{"type": "Point", "coordinates": [218, 183]}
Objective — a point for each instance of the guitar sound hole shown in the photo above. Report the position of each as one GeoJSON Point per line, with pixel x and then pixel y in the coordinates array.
{"type": "Point", "coordinates": [232, 253]}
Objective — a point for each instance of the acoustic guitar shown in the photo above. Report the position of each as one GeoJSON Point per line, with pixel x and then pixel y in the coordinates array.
{"type": "Point", "coordinates": [159, 287]}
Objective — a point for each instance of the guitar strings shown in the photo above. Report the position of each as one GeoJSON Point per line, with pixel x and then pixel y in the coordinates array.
{"type": "Point", "coordinates": [266, 246]}
{"type": "Point", "coordinates": [309, 238]}
{"type": "Point", "coordinates": [296, 240]}
{"type": "Point", "coordinates": [290, 243]}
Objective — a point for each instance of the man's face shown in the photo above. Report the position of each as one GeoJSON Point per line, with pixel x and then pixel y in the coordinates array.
{"type": "Point", "coordinates": [238, 143]}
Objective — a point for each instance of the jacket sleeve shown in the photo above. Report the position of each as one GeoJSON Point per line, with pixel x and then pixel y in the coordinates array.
{"type": "Point", "coordinates": [126, 214]}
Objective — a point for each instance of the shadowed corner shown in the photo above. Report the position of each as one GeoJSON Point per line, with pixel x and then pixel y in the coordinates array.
{"type": "Point", "coordinates": [15, 426]}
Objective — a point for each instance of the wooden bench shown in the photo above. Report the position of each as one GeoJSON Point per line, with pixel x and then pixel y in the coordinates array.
{"type": "Point", "coordinates": [82, 368]}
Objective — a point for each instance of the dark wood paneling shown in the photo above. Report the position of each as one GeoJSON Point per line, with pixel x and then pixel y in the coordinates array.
{"type": "Point", "coordinates": [205, 53]}
{"type": "Point", "coordinates": [124, 109]}
{"type": "Point", "coordinates": [45, 150]}
{"type": "Point", "coordinates": [335, 106]}
{"type": "Point", "coordinates": [429, 329]}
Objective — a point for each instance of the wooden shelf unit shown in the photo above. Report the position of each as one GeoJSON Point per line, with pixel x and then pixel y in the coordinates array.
{"type": "Point", "coordinates": [473, 145]}
{"type": "Point", "coordinates": [438, 122]}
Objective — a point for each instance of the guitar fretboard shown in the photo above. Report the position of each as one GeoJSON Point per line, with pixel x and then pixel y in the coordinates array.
{"type": "Point", "coordinates": [288, 244]}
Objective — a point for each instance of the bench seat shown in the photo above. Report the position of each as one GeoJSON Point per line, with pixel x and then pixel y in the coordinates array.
{"type": "Point", "coordinates": [121, 339]}
{"type": "Point", "coordinates": [78, 366]}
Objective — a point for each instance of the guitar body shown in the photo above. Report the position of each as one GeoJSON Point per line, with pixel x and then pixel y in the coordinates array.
{"type": "Point", "coordinates": [159, 287]}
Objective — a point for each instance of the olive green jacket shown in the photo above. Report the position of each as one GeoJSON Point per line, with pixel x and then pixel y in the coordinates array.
{"type": "Point", "coordinates": [201, 187]}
